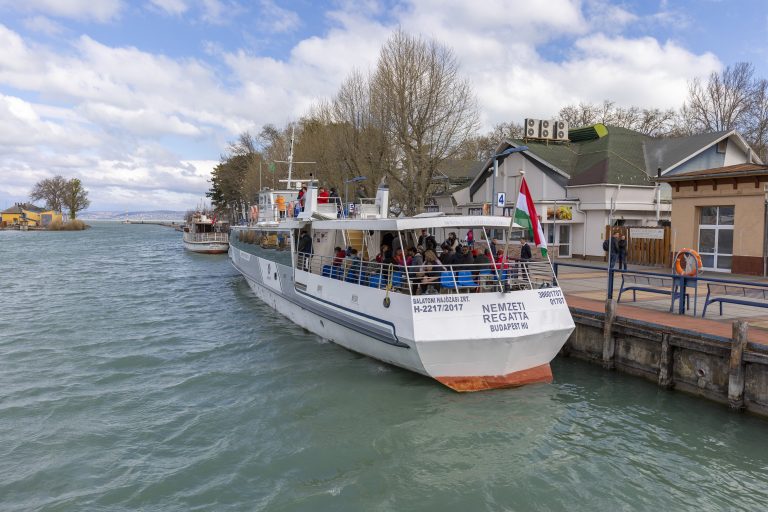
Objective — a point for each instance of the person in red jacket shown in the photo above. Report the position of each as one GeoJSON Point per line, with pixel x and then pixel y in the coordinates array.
{"type": "Point", "coordinates": [322, 197]}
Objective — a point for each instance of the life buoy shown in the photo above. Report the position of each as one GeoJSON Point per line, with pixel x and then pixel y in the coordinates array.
{"type": "Point", "coordinates": [687, 262]}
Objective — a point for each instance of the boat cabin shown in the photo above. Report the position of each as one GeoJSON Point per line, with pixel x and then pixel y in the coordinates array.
{"type": "Point", "coordinates": [417, 255]}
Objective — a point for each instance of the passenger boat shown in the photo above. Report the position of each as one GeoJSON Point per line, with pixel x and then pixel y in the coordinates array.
{"type": "Point", "coordinates": [203, 234]}
{"type": "Point", "coordinates": [472, 327]}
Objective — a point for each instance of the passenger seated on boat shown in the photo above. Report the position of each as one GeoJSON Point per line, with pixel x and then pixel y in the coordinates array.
{"type": "Point", "coordinates": [429, 274]}
{"type": "Point", "coordinates": [355, 266]}
{"type": "Point", "coordinates": [385, 255]}
{"type": "Point", "coordinates": [464, 259]}
{"type": "Point", "coordinates": [426, 240]}
{"type": "Point", "coordinates": [338, 261]}
{"type": "Point", "coordinates": [484, 261]}
{"type": "Point", "coordinates": [402, 259]}
{"type": "Point", "coordinates": [414, 267]}
{"type": "Point", "coordinates": [448, 255]}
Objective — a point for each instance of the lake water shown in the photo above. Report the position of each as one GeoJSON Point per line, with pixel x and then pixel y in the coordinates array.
{"type": "Point", "coordinates": [137, 376]}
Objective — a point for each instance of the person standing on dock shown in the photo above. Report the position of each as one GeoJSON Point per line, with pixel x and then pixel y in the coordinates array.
{"type": "Point", "coordinates": [613, 250]}
{"type": "Point", "coordinates": [622, 252]}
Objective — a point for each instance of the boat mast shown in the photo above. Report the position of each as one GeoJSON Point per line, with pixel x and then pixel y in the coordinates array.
{"type": "Point", "coordinates": [290, 158]}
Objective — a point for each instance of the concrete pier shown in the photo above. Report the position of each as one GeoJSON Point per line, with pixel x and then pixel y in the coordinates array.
{"type": "Point", "coordinates": [727, 363]}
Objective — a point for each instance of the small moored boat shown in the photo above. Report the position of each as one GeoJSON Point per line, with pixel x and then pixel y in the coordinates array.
{"type": "Point", "coordinates": [204, 234]}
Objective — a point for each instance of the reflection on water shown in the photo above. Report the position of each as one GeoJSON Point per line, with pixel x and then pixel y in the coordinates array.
{"type": "Point", "coordinates": [135, 375]}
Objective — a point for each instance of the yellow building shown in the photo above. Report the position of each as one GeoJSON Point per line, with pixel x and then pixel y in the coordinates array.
{"type": "Point", "coordinates": [722, 214]}
{"type": "Point", "coordinates": [28, 215]}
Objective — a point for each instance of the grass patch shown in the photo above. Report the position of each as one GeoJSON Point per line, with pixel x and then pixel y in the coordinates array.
{"type": "Point", "coordinates": [72, 225]}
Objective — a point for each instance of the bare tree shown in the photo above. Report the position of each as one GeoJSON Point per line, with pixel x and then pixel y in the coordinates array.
{"type": "Point", "coordinates": [75, 197]}
{"type": "Point", "coordinates": [482, 147]}
{"type": "Point", "coordinates": [50, 190]}
{"type": "Point", "coordinates": [653, 122]}
{"type": "Point", "coordinates": [427, 110]}
{"type": "Point", "coordinates": [723, 102]}
{"type": "Point", "coordinates": [756, 130]}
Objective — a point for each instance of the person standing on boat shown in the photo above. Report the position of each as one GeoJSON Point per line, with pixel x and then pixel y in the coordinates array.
{"type": "Point", "coordinates": [322, 196]}
{"type": "Point", "coordinates": [452, 241]}
{"type": "Point", "coordinates": [429, 276]}
{"type": "Point", "coordinates": [525, 250]}
{"type": "Point", "coordinates": [280, 201]}
{"type": "Point", "coordinates": [301, 199]}
{"type": "Point", "coordinates": [304, 249]}
{"type": "Point", "coordinates": [426, 241]}
{"type": "Point", "coordinates": [471, 239]}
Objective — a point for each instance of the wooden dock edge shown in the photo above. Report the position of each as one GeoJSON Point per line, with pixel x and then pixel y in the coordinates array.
{"type": "Point", "coordinates": [728, 371]}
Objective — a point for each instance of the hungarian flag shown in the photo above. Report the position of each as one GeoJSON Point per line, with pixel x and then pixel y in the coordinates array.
{"type": "Point", "coordinates": [525, 215]}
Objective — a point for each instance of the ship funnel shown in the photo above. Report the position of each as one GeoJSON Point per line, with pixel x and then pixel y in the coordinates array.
{"type": "Point", "coordinates": [382, 200]}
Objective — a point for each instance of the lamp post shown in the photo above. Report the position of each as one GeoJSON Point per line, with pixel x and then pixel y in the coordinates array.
{"type": "Point", "coordinates": [496, 158]}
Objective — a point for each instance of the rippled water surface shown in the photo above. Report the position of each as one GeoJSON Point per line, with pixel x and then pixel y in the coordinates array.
{"type": "Point", "coordinates": [137, 376]}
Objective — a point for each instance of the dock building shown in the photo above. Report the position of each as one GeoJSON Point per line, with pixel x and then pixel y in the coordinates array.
{"type": "Point", "coordinates": [599, 175]}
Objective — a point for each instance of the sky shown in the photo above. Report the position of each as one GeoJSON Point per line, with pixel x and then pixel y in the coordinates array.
{"type": "Point", "coordinates": [139, 99]}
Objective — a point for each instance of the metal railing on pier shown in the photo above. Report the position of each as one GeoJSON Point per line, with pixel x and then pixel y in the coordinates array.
{"type": "Point", "coordinates": [681, 286]}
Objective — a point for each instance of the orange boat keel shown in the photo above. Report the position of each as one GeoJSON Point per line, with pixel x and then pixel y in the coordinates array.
{"type": "Point", "coordinates": [533, 375]}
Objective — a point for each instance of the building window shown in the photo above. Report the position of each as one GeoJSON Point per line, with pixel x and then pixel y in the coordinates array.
{"type": "Point", "coordinates": [509, 211]}
{"type": "Point", "coordinates": [475, 211]}
{"type": "Point", "coordinates": [722, 146]}
{"type": "Point", "coordinates": [716, 237]}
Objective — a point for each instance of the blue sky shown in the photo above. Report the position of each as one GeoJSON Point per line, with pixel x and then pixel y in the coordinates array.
{"type": "Point", "coordinates": [139, 98]}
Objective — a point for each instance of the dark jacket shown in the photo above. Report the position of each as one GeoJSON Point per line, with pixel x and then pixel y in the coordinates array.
{"type": "Point", "coordinates": [305, 243]}
{"type": "Point", "coordinates": [525, 252]}
{"type": "Point", "coordinates": [622, 248]}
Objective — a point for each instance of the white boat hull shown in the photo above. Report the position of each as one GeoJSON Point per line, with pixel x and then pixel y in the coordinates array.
{"type": "Point", "coordinates": [469, 342]}
{"type": "Point", "coordinates": [207, 247]}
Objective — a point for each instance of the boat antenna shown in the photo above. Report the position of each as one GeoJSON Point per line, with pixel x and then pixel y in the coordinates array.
{"type": "Point", "coordinates": [290, 161]}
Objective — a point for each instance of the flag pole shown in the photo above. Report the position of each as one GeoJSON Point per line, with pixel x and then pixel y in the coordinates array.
{"type": "Point", "coordinates": [514, 207]}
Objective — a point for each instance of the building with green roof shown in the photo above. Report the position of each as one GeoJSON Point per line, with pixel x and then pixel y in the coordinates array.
{"type": "Point", "coordinates": [601, 175]}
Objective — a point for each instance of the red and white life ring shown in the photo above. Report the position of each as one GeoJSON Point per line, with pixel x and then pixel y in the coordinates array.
{"type": "Point", "coordinates": [687, 262]}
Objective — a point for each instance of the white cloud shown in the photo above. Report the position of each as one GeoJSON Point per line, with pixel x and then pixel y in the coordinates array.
{"type": "Point", "coordinates": [44, 25]}
{"type": "Point", "coordinates": [84, 10]}
{"type": "Point", "coordinates": [276, 19]}
{"type": "Point", "coordinates": [125, 120]}
{"type": "Point", "coordinates": [172, 7]}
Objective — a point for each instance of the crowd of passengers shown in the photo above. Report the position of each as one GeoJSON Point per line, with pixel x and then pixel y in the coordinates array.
{"type": "Point", "coordinates": [422, 263]}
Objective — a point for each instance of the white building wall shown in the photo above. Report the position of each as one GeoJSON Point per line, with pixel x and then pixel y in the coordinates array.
{"type": "Point", "coordinates": [542, 186]}
{"type": "Point", "coordinates": [733, 153]}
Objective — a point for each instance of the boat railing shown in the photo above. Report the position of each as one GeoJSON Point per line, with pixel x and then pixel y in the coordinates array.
{"type": "Point", "coordinates": [206, 237]}
{"type": "Point", "coordinates": [438, 278]}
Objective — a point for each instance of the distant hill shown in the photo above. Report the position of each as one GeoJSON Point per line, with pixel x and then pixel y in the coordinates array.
{"type": "Point", "coordinates": [164, 215]}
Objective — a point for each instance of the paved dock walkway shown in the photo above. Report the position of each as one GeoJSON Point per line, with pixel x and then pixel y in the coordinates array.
{"type": "Point", "coordinates": [589, 288]}
{"type": "Point", "coordinates": [717, 328]}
